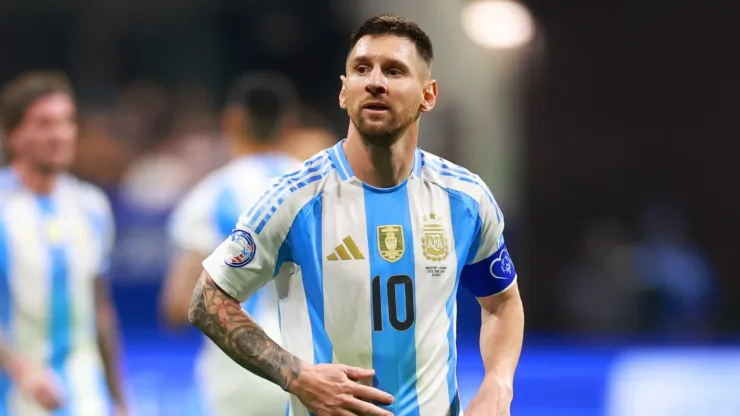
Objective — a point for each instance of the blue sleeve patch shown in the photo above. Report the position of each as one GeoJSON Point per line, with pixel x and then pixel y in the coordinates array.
{"type": "Point", "coordinates": [241, 249]}
{"type": "Point", "coordinates": [490, 276]}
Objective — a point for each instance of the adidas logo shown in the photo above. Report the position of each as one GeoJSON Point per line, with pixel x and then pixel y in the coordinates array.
{"type": "Point", "coordinates": [346, 251]}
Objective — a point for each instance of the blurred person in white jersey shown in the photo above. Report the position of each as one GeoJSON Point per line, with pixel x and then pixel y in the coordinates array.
{"type": "Point", "coordinates": [378, 235]}
{"type": "Point", "coordinates": [261, 108]}
{"type": "Point", "coordinates": [59, 342]}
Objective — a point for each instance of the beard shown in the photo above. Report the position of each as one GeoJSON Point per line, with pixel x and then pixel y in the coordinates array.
{"type": "Point", "coordinates": [54, 165]}
{"type": "Point", "coordinates": [382, 130]}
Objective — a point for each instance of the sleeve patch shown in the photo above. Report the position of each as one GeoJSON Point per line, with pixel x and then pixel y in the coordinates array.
{"type": "Point", "coordinates": [240, 250]}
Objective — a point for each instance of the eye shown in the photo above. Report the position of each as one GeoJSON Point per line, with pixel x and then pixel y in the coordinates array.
{"type": "Point", "coordinates": [395, 72]}
{"type": "Point", "coordinates": [362, 69]}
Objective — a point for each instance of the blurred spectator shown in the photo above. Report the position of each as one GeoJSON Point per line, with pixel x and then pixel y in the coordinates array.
{"type": "Point", "coordinates": [681, 285]}
{"type": "Point", "coordinates": [600, 291]}
{"type": "Point", "coordinates": [101, 157]}
{"type": "Point", "coordinates": [183, 144]}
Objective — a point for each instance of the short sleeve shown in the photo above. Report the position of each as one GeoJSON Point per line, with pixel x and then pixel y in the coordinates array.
{"type": "Point", "coordinates": [247, 259]}
{"type": "Point", "coordinates": [192, 225]}
{"type": "Point", "coordinates": [109, 239]}
{"type": "Point", "coordinates": [102, 222]}
{"type": "Point", "coordinates": [489, 268]}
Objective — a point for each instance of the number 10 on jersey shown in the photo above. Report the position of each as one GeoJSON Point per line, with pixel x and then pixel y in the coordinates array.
{"type": "Point", "coordinates": [395, 284]}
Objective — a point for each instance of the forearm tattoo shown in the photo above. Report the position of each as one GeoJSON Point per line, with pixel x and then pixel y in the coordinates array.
{"type": "Point", "coordinates": [223, 320]}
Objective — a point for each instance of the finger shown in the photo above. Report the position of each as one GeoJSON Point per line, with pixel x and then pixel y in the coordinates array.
{"type": "Point", "coordinates": [356, 373]}
{"type": "Point", "coordinates": [53, 396]}
{"type": "Point", "coordinates": [48, 400]}
{"type": "Point", "coordinates": [371, 394]}
{"type": "Point", "coordinates": [364, 408]}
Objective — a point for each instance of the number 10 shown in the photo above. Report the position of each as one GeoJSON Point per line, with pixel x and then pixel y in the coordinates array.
{"type": "Point", "coordinates": [408, 293]}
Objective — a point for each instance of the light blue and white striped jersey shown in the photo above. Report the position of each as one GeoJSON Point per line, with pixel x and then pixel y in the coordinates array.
{"type": "Point", "coordinates": [52, 248]}
{"type": "Point", "coordinates": [376, 271]}
{"type": "Point", "coordinates": [204, 218]}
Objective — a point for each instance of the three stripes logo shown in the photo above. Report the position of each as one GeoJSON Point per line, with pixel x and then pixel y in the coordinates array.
{"type": "Point", "coordinates": [346, 251]}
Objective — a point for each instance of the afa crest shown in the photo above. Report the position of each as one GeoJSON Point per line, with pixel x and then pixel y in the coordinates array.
{"type": "Point", "coordinates": [390, 242]}
{"type": "Point", "coordinates": [434, 244]}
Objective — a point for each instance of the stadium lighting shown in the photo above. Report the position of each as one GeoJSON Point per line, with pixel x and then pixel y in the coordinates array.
{"type": "Point", "coordinates": [498, 24]}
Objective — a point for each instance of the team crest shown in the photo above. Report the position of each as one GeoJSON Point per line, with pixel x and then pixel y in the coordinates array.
{"type": "Point", "coordinates": [240, 250]}
{"type": "Point", "coordinates": [390, 242]}
{"type": "Point", "coordinates": [54, 231]}
{"type": "Point", "coordinates": [434, 244]}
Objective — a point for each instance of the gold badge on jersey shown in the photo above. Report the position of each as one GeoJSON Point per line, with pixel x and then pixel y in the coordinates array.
{"type": "Point", "coordinates": [390, 242]}
{"type": "Point", "coordinates": [434, 244]}
{"type": "Point", "coordinates": [54, 231]}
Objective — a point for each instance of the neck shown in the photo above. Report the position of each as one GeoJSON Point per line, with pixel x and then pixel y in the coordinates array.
{"type": "Point", "coordinates": [381, 166]}
{"type": "Point", "coordinates": [37, 180]}
{"type": "Point", "coordinates": [243, 147]}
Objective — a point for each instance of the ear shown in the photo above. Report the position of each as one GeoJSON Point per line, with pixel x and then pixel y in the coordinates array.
{"type": "Point", "coordinates": [342, 92]}
{"type": "Point", "coordinates": [11, 142]}
{"type": "Point", "coordinates": [430, 97]}
{"type": "Point", "coordinates": [233, 122]}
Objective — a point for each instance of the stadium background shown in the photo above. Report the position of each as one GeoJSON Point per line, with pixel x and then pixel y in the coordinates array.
{"type": "Point", "coordinates": [609, 138]}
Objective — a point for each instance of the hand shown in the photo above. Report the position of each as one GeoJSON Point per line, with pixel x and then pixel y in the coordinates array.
{"type": "Point", "coordinates": [120, 410]}
{"type": "Point", "coordinates": [40, 384]}
{"type": "Point", "coordinates": [333, 390]}
{"type": "Point", "coordinates": [493, 399]}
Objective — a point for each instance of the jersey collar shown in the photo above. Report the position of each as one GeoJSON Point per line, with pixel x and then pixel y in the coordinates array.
{"type": "Point", "coordinates": [336, 153]}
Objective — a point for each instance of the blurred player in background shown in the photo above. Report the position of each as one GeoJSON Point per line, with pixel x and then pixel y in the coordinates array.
{"type": "Point", "coordinates": [312, 136]}
{"type": "Point", "coordinates": [379, 234]}
{"type": "Point", "coordinates": [59, 328]}
{"type": "Point", "coordinates": [261, 109]}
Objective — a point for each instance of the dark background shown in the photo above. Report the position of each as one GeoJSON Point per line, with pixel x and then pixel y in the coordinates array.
{"type": "Point", "coordinates": [625, 106]}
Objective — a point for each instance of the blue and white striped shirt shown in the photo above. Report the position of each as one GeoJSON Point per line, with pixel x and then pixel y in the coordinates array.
{"type": "Point", "coordinates": [204, 218]}
{"type": "Point", "coordinates": [375, 271]}
{"type": "Point", "coordinates": [52, 248]}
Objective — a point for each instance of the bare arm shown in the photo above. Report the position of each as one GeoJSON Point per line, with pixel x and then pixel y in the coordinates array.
{"type": "Point", "coordinates": [178, 287]}
{"type": "Point", "coordinates": [34, 381]}
{"type": "Point", "coordinates": [501, 336]}
{"type": "Point", "coordinates": [223, 320]}
{"type": "Point", "coordinates": [108, 339]}
{"type": "Point", "coordinates": [7, 361]}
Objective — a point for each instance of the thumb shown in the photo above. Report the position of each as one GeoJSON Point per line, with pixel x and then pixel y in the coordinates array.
{"type": "Point", "coordinates": [356, 373]}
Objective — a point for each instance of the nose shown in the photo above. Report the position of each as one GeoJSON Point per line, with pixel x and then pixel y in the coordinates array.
{"type": "Point", "coordinates": [377, 83]}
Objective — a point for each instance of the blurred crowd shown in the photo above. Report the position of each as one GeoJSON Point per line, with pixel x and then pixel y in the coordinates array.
{"type": "Point", "coordinates": [651, 281]}
{"type": "Point", "coordinates": [148, 147]}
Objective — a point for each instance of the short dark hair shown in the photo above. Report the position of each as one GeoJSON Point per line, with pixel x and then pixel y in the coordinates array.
{"type": "Point", "coordinates": [390, 24]}
{"type": "Point", "coordinates": [268, 99]}
{"type": "Point", "coordinates": [23, 91]}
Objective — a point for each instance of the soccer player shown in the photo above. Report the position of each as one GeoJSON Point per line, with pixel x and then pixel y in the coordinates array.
{"type": "Point", "coordinates": [260, 109]}
{"type": "Point", "coordinates": [377, 234]}
{"type": "Point", "coordinates": [59, 329]}
{"type": "Point", "coordinates": [312, 136]}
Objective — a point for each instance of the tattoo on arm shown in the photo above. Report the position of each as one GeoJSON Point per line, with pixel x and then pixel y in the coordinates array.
{"type": "Point", "coordinates": [223, 320]}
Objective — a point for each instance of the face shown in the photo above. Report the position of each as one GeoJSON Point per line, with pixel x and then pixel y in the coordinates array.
{"type": "Point", "coordinates": [386, 87]}
{"type": "Point", "coordinates": [47, 135]}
